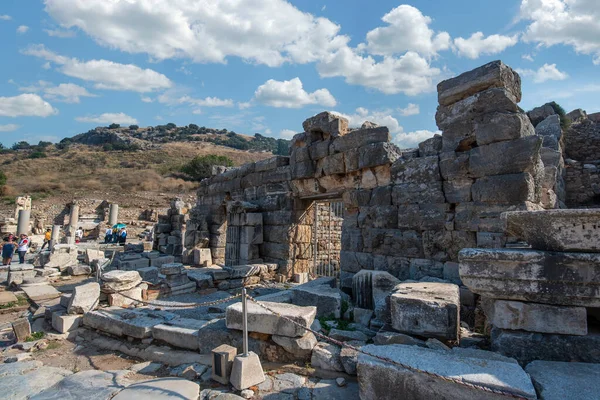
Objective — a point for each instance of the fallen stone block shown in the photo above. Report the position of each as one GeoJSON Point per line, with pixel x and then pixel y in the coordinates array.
{"type": "Point", "coordinates": [326, 299]}
{"type": "Point", "coordinates": [189, 287]}
{"type": "Point", "coordinates": [369, 288]}
{"type": "Point", "coordinates": [149, 274]}
{"type": "Point", "coordinates": [123, 322]}
{"type": "Point", "coordinates": [263, 321]}
{"type": "Point", "coordinates": [7, 297]}
{"type": "Point", "coordinates": [533, 317]}
{"type": "Point", "coordinates": [181, 332]}
{"type": "Point", "coordinates": [346, 336]}
{"type": "Point", "coordinates": [125, 298]}
{"type": "Point", "coordinates": [21, 329]}
{"type": "Point", "coordinates": [162, 260]}
{"type": "Point", "coordinates": [216, 331]}
{"type": "Point", "coordinates": [203, 280]}
{"type": "Point", "coordinates": [117, 281]}
{"type": "Point", "coordinates": [299, 347]}
{"type": "Point", "coordinates": [384, 338]}
{"type": "Point", "coordinates": [565, 380]}
{"type": "Point", "coordinates": [531, 275]}
{"type": "Point", "coordinates": [326, 356]}
{"type": "Point", "coordinates": [217, 273]}
{"type": "Point", "coordinates": [93, 254]}
{"type": "Point", "coordinates": [426, 309]}
{"type": "Point", "coordinates": [64, 323]}
{"type": "Point", "coordinates": [172, 269]}
{"type": "Point", "coordinates": [84, 298]}
{"type": "Point", "coordinates": [79, 269]}
{"type": "Point", "coordinates": [349, 357]}
{"type": "Point", "coordinates": [177, 280]}
{"type": "Point", "coordinates": [40, 292]}
{"type": "Point", "coordinates": [382, 380]}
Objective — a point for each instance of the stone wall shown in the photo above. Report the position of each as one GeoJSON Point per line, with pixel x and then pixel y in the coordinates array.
{"type": "Point", "coordinates": [582, 152]}
{"type": "Point", "coordinates": [408, 212]}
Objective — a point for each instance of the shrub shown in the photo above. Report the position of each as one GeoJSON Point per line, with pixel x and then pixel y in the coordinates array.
{"type": "Point", "coordinates": [565, 121]}
{"type": "Point", "coordinates": [114, 126]}
{"type": "Point", "coordinates": [201, 166]}
{"type": "Point", "coordinates": [134, 127]}
{"type": "Point", "coordinates": [22, 145]}
{"type": "Point", "coordinates": [38, 154]}
{"type": "Point", "coordinates": [171, 125]}
{"type": "Point", "coordinates": [43, 144]}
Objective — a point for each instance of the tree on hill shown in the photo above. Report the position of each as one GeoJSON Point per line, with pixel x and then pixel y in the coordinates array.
{"type": "Point", "coordinates": [22, 145]}
{"type": "Point", "coordinates": [133, 127]}
{"type": "Point", "coordinates": [2, 183]}
{"type": "Point", "coordinates": [114, 126]}
{"type": "Point", "coordinates": [171, 125]}
{"type": "Point", "coordinates": [200, 167]}
{"type": "Point", "coordinates": [43, 144]}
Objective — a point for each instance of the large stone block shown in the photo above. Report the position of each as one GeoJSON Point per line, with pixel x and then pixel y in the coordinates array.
{"type": "Point", "coordinates": [351, 261]}
{"type": "Point", "coordinates": [416, 170]}
{"type": "Point", "coordinates": [565, 380]}
{"type": "Point", "coordinates": [454, 165]}
{"type": "Point", "coordinates": [181, 332]}
{"type": "Point", "coordinates": [263, 321]}
{"type": "Point", "coordinates": [124, 322]}
{"type": "Point", "coordinates": [509, 157]}
{"type": "Point", "coordinates": [331, 165]}
{"type": "Point", "coordinates": [425, 192]}
{"type": "Point", "coordinates": [529, 346]}
{"type": "Point", "coordinates": [370, 288]}
{"type": "Point", "coordinates": [431, 146]}
{"type": "Point", "coordinates": [539, 114]}
{"type": "Point", "coordinates": [299, 347]}
{"type": "Point", "coordinates": [359, 138]}
{"type": "Point", "coordinates": [498, 127]}
{"type": "Point", "coordinates": [84, 298]}
{"type": "Point", "coordinates": [542, 318]}
{"type": "Point", "coordinates": [495, 74]}
{"type": "Point", "coordinates": [530, 275]}
{"type": "Point", "coordinates": [376, 154]}
{"type": "Point", "coordinates": [381, 380]}
{"type": "Point", "coordinates": [458, 190]}
{"type": "Point", "coordinates": [328, 300]}
{"type": "Point", "coordinates": [426, 309]}
{"type": "Point", "coordinates": [327, 123]}
{"type": "Point", "coordinates": [505, 189]}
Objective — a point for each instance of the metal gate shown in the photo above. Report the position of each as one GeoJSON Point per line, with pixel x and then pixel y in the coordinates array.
{"type": "Point", "coordinates": [327, 237]}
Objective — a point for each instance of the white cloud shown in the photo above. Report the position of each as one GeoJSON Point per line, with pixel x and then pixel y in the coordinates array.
{"type": "Point", "coordinates": [146, 99]}
{"type": "Point", "coordinates": [410, 140]}
{"type": "Point", "coordinates": [109, 118]}
{"type": "Point", "coordinates": [527, 57]}
{"type": "Point", "coordinates": [267, 32]}
{"type": "Point", "coordinates": [477, 44]}
{"type": "Point", "coordinates": [547, 72]}
{"type": "Point", "coordinates": [207, 102]}
{"type": "Point", "coordinates": [25, 105]}
{"type": "Point", "coordinates": [46, 65]}
{"type": "Point", "coordinates": [574, 23]}
{"type": "Point", "coordinates": [411, 109]}
{"type": "Point", "coordinates": [5, 17]}
{"type": "Point", "coordinates": [22, 29]}
{"type": "Point", "coordinates": [381, 117]}
{"type": "Point", "coordinates": [287, 133]}
{"type": "Point", "coordinates": [291, 94]}
{"type": "Point", "coordinates": [9, 127]}
{"type": "Point", "coordinates": [407, 30]}
{"type": "Point", "coordinates": [244, 105]}
{"type": "Point", "coordinates": [105, 74]}
{"type": "Point", "coordinates": [65, 92]}
{"type": "Point", "coordinates": [60, 33]}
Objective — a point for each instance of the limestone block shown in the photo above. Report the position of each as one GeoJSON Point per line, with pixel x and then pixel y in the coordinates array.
{"type": "Point", "coordinates": [529, 346]}
{"type": "Point", "coordinates": [495, 74]}
{"type": "Point", "coordinates": [556, 230]}
{"type": "Point", "coordinates": [21, 329]}
{"type": "Point", "coordinates": [299, 347]}
{"type": "Point", "coordinates": [160, 261]}
{"type": "Point", "coordinates": [80, 269]}
{"type": "Point", "coordinates": [564, 380]}
{"type": "Point", "coordinates": [327, 123]}
{"type": "Point", "coordinates": [84, 298]}
{"type": "Point", "coordinates": [509, 157]}
{"type": "Point", "coordinates": [251, 235]}
{"type": "Point", "coordinates": [177, 280]}
{"type": "Point", "coordinates": [304, 169]}
{"type": "Point", "coordinates": [346, 336]}
{"type": "Point", "coordinates": [276, 250]}
{"type": "Point", "coordinates": [40, 291]}
{"type": "Point", "coordinates": [505, 189]}
{"type": "Point", "coordinates": [149, 274]}
{"type": "Point", "coordinates": [385, 338]}
{"type": "Point", "coordinates": [326, 356]}
{"type": "Point", "coordinates": [116, 281]}
{"type": "Point", "coordinates": [159, 389]}
{"type": "Point", "coordinates": [458, 190]}
{"type": "Point", "coordinates": [172, 269]}
{"type": "Point", "coordinates": [359, 138]}
{"type": "Point", "coordinates": [539, 114]}
{"type": "Point", "coordinates": [63, 322]}
{"type": "Point", "coordinates": [375, 154]}
{"type": "Point", "coordinates": [369, 288]}
{"type": "Point", "coordinates": [426, 309]}
{"type": "Point", "coordinates": [543, 318]}
{"type": "Point", "coordinates": [421, 267]}
{"type": "Point", "coordinates": [498, 127]}
{"type": "Point", "coordinates": [62, 260]}
{"type": "Point", "coordinates": [531, 275]}
{"type": "Point", "coordinates": [126, 322]}
{"type": "Point", "coordinates": [454, 165]}
{"type": "Point", "coordinates": [383, 381]}
{"type": "Point", "coordinates": [406, 193]}
{"type": "Point", "coordinates": [246, 371]}
{"type": "Point", "coordinates": [326, 299]}
{"type": "Point", "coordinates": [318, 150]}
{"type": "Point", "coordinates": [378, 217]}
{"type": "Point", "coordinates": [203, 280]}
{"type": "Point", "coordinates": [416, 170]}
{"type": "Point", "coordinates": [330, 165]}
{"type": "Point", "coordinates": [431, 146]}
{"type": "Point", "coordinates": [451, 273]}
{"type": "Point", "coordinates": [262, 321]}
{"type": "Point", "coordinates": [180, 332]}
{"type": "Point", "coordinates": [271, 163]}
{"type": "Point", "coordinates": [351, 261]}
{"type": "Point", "coordinates": [490, 240]}
{"type": "Point", "coordinates": [119, 299]}
{"type": "Point", "coordinates": [93, 254]}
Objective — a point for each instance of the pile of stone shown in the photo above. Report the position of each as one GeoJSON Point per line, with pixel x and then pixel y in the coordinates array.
{"type": "Point", "coordinates": [176, 278]}
{"type": "Point", "coordinates": [62, 256]}
{"type": "Point", "coordinates": [168, 233]}
{"type": "Point", "coordinates": [539, 301]}
{"type": "Point", "coordinates": [17, 273]}
{"type": "Point", "coordinates": [67, 315]}
{"type": "Point", "coordinates": [123, 288]}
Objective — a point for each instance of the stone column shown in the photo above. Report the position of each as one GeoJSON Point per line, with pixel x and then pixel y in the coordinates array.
{"type": "Point", "coordinates": [73, 221]}
{"type": "Point", "coordinates": [23, 221]}
{"type": "Point", "coordinates": [55, 236]}
{"type": "Point", "coordinates": [113, 214]}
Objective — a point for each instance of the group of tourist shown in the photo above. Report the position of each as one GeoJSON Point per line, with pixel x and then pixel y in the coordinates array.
{"type": "Point", "coordinates": [115, 235]}
{"type": "Point", "coordinates": [12, 245]}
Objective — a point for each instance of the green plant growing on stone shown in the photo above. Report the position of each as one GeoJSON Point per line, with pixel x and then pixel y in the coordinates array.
{"type": "Point", "coordinates": [35, 336]}
{"type": "Point", "coordinates": [565, 122]}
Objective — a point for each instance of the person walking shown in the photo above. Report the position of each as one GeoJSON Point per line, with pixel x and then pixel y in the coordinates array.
{"type": "Point", "coordinates": [108, 235]}
{"type": "Point", "coordinates": [8, 250]}
{"type": "Point", "coordinates": [23, 248]}
{"type": "Point", "coordinates": [78, 235]}
{"type": "Point", "coordinates": [47, 238]}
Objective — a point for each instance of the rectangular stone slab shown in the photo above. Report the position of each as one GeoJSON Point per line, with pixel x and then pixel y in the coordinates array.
{"type": "Point", "coordinates": [384, 381]}
{"type": "Point", "coordinates": [182, 332]}
{"type": "Point", "coordinates": [543, 318]}
{"type": "Point", "coordinates": [263, 321]}
{"type": "Point", "coordinates": [40, 292]}
{"type": "Point", "coordinates": [119, 321]}
{"type": "Point", "coordinates": [529, 275]}
{"type": "Point", "coordinates": [565, 380]}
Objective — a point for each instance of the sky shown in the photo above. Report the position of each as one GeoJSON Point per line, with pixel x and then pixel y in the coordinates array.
{"type": "Point", "coordinates": [264, 66]}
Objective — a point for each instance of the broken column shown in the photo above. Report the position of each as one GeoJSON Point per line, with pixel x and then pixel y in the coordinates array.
{"type": "Point", "coordinates": [23, 222]}
{"type": "Point", "coordinates": [55, 238]}
{"type": "Point", "coordinates": [113, 214]}
{"type": "Point", "coordinates": [539, 298]}
{"type": "Point", "coordinates": [73, 221]}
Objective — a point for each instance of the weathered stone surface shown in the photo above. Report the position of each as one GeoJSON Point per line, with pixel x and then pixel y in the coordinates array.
{"type": "Point", "coordinates": [360, 137]}
{"type": "Point", "coordinates": [21, 329]}
{"type": "Point", "coordinates": [381, 381]}
{"type": "Point", "coordinates": [262, 321]}
{"type": "Point", "coordinates": [509, 157]}
{"type": "Point", "coordinates": [326, 299]}
{"type": "Point", "coordinates": [180, 332]}
{"type": "Point", "coordinates": [125, 298]}
{"type": "Point", "coordinates": [84, 298]}
{"type": "Point", "coordinates": [385, 338]}
{"type": "Point", "coordinates": [577, 114]}
{"type": "Point", "coordinates": [416, 170]}
{"type": "Point", "coordinates": [495, 74]}
{"type": "Point", "coordinates": [426, 309]}
{"type": "Point", "coordinates": [63, 322]}
{"type": "Point", "coordinates": [543, 318]}
{"type": "Point", "coordinates": [530, 275]}
{"type": "Point", "coordinates": [172, 269]}
{"type": "Point", "coordinates": [539, 114]}
{"type": "Point", "coordinates": [40, 292]}
{"type": "Point", "coordinates": [370, 288]}
{"type": "Point", "coordinates": [431, 146]}
{"type": "Point", "coordinates": [162, 260]}
{"type": "Point", "coordinates": [346, 336]}
{"type": "Point", "coordinates": [529, 346]}
{"type": "Point", "coordinates": [149, 274]}
{"type": "Point", "coordinates": [362, 315]}
{"type": "Point", "coordinates": [562, 380]}
{"type": "Point", "coordinates": [124, 322]}
{"type": "Point", "coordinates": [7, 297]}
{"type": "Point", "coordinates": [498, 127]}
{"type": "Point", "coordinates": [15, 384]}
{"type": "Point", "coordinates": [556, 230]}
{"type": "Point", "coordinates": [91, 385]}
{"type": "Point", "coordinates": [504, 189]}
{"type": "Point", "coordinates": [120, 276]}
{"type": "Point", "coordinates": [299, 347]}
{"type": "Point", "coordinates": [161, 389]}
{"type": "Point", "coordinates": [328, 123]}
{"type": "Point", "coordinates": [550, 130]}
{"type": "Point", "coordinates": [376, 154]}
{"type": "Point", "coordinates": [326, 356]}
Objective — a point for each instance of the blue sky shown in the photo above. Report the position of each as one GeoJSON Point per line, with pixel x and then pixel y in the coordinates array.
{"type": "Point", "coordinates": [265, 66]}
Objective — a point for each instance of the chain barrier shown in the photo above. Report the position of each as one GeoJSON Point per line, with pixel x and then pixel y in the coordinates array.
{"type": "Point", "coordinates": [182, 305]}
{"type": "Point", "coordinates": [390, 361]}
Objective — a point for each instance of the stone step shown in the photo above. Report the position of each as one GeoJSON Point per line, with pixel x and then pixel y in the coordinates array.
{"type": "Point", "coordinates": [181, 332]}
{"type": "Point", "coordinates": [124, 322]}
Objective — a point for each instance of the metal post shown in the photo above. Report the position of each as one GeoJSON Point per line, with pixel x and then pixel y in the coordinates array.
{"type": "Point", "coordinates": [315, 240]}
{"type": "Point", "coordinates": [245, 322]}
